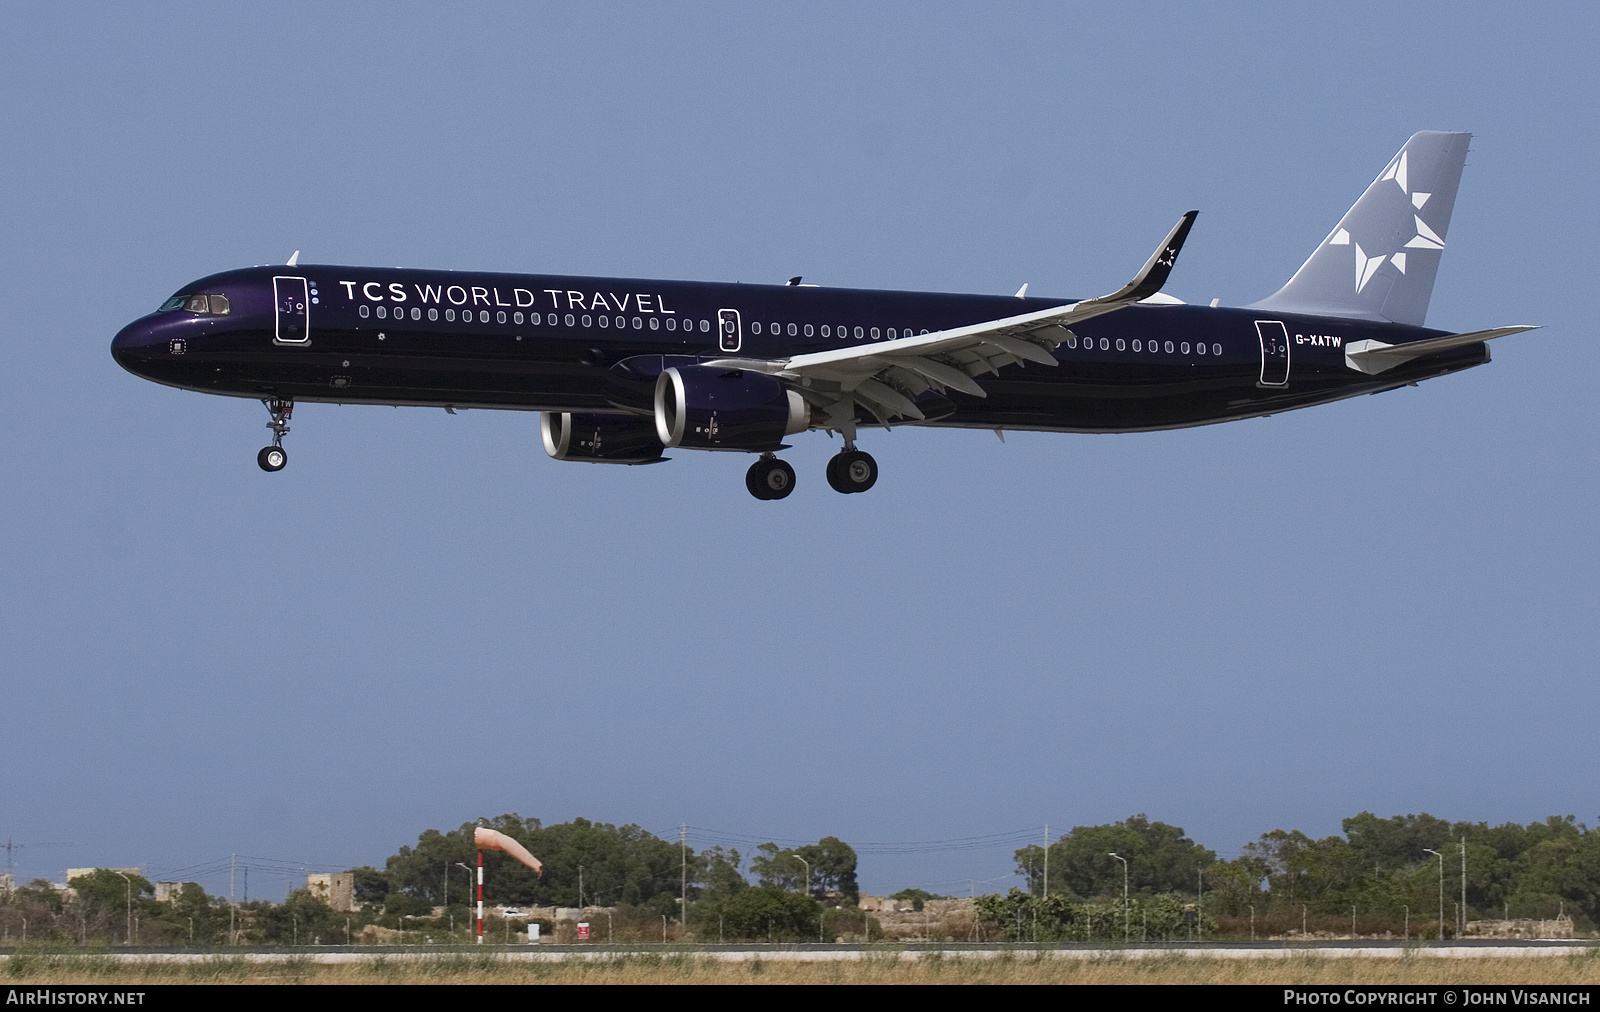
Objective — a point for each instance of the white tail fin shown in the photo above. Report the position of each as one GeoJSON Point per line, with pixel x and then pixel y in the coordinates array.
{"type": "Point", "coordinates": [1380, 261]}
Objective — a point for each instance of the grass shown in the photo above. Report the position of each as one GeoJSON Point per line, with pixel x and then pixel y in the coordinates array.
{"type": "Point", "coordinates": [31, 968]}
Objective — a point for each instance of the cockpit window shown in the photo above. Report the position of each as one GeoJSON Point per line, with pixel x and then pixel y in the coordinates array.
{"type": "Point", "coordinates": [209, 304]}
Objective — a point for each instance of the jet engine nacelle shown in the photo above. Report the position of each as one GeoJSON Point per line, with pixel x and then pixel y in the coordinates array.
{"type": "Point", "coordinates": [600, 439]}
{"type": "Point", "coordinates": [707, 408]}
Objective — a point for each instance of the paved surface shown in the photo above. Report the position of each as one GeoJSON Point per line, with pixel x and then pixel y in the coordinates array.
{"type": "Point", "coordinates": [814, 952]}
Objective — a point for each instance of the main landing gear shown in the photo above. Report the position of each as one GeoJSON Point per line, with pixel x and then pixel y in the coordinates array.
{"type": "Point", "coordinates": [769, 478]}
{"type": "Point", "coordinates": [272, 458]}
{"type": "Point", "coordinates": [852, 470]}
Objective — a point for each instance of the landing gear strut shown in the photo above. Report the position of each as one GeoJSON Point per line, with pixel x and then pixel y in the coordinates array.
{"type": "Point", "coordinates": [769, 478]}
{"type": "Point", "coordinates": [272, 458]}
{"type": "Point", "coordinates": [852, 470]}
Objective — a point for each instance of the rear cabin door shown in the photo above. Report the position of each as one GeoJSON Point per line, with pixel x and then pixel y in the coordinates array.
{"type": "Point", "coordinates": [293, 310]}
{"type": "Point", "coordinates": [729, 334]}
{"type": "Point", "coordinates": [1274, 353]}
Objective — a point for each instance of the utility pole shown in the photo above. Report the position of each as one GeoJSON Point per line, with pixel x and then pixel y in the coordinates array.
{"type": "Point", "coordinates": [683, 891]}
{"type": "Point", "coordinates": [1461, 927]}
{"type": "Point", "coordinates": [1200, 903]}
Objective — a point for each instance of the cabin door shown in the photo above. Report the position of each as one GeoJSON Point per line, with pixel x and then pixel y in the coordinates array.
{"type": "Point", "coordinates": [293, 310]}
{"type": "Point", "coordinates": [1274, 353]}
{"type": "Point", "coordinates": [729, 333]}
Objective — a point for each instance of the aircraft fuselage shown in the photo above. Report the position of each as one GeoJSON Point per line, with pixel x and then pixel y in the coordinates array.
{"type": "Point", "coordinates": [578, 344]}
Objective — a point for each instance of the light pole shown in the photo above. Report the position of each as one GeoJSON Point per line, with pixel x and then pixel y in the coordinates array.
{"type": "Point", "coordinates": [803, 861]}
{"type": "Point", "coordinates": [1440, 856]}
{"type": "Point", "coordinates": [128, 931]}
{"type": "Point", "coordinates": [1124, 861]}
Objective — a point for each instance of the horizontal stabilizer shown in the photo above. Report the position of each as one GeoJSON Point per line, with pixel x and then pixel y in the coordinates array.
{"type": "Point", "coordinates": [1373, 357]}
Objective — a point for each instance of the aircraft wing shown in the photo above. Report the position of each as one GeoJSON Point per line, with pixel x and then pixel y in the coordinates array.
{"type": "Point", "coordinates": [1373, 357]}
{"type": "Point", "coordinates": [884, 377]}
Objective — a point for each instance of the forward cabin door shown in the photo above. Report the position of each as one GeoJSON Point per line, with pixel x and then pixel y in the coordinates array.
{"type": "Point", "coordinates": [1274, 353]}
{"type": "Point", "coordinates": [729, 334]}
{"type": "Point", "coordinates": [293, 310]}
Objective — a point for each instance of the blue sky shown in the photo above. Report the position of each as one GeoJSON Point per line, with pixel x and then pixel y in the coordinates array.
{"type": "Point", "coordinates": [1387, 604]}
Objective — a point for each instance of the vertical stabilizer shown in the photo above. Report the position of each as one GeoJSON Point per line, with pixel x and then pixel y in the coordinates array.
{"type": "Point", "coordinates": [1380, 261]}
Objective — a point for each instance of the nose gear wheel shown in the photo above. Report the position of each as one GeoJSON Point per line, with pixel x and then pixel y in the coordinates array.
{"type": "Point", "coordinates": [272, 458]}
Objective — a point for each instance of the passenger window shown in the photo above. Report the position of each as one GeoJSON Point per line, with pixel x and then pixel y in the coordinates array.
{"type": "Point", "coordinates": [672, 324]}
{"type": "Point", "coordinates": [449, 314]}
{"type": "Point", "coordinates": [605, 321]}
{"type": "Point", "coordinates": [1072, 342]}
{"type": "Point", "coordinates": [516, 318]}
{"type": "Point", "coordinates": [638, 323]}
{"type": "Point", "coordinates": [874, 333]}
{"type": "Point", "coordinates": [483, 316]}
{"type": "Point", "coordinates": [1186, 347]}
{"type": "Point", "coordinates": [1216, 349]}
{"type": "Point", "coordinates": [364, 311]}
{"type": "Point", "coordinates": [808, 330]}
{"type": "Point", "coordinates": [792, 330]}
{"type": "Point", "coordinates": [1200, 348]}
{"type": "Point", "coordinates": [1120, 345]}
{"type": "Point", "coordinates": [586, 319]}
{"type": "Point", "coordinates": [755, 328]}
{"type": "Point", "coordinates": [655, 323]}
{"type": "Point", "coordinates": [1136, 345]}
{"type": "Point", "coordinates": [705, 326]}
{"type": "Point", "coordinates": [383, 312]}
{"type": "Point", "coordinates": [825, 330]}
{"type": "Point", "coordinates": [859, 334]}
{"type": "Point", "coordinates": [416, 314]}
{"type": "Point", "coordinates": [433, 314]}
{"type": "Point", "coordinates": [569, 319]}
{"type": "Point", "coordinates": [1169, 347]}
{"type": "Point", "coordinates": [500, 317]}
{"type": "Point", "coordinates": [1105, 345]}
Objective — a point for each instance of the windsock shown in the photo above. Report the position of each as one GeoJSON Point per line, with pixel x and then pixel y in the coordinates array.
{"type": "Point", "coordinates": [489, 839]}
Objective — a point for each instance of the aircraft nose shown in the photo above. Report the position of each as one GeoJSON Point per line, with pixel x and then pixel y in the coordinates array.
{"type": "Point", "coordinates": [135, 343]}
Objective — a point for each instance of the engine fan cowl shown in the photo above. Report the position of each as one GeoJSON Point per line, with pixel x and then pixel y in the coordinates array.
{"type": "Point", "coordinates": [706, 408]}
{"type": "Point", "coordinates": [600, 439]}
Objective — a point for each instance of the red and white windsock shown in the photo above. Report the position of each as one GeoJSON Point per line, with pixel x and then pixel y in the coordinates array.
{"type": "Point", "coordinates": [490, 839]}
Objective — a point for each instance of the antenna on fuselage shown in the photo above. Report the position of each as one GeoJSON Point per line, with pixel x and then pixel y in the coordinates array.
{"type": "Point", "coordinates": [1022, 293]}
{"type": "Point", "coordinates": [794, 282]}
{"type": "Point", "coordinates": [294, 261]}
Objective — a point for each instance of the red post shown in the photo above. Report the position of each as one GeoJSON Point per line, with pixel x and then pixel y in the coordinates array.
{"type": "Point", "coordinates": [480, 897]}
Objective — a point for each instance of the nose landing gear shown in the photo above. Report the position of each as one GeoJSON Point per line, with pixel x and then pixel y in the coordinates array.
{"type": "Point", "coordinates": [769, 478]}
{"type": "Point", "coordinates": [272, 458]}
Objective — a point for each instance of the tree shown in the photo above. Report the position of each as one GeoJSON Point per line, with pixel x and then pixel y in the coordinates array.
{"type": "Point", "coordinates": [370, 885]}
{"type": "Point", "coordinates": [832, 869]}
{"type": "Point", "coordinates": [761, 913]}
{"type": "Point", "coordinates": [718, 869]}
{"type": "Point", "coordinates": [620, 864]}
{"type": "Point", "coordinates": [106, 900]}
{"type": "Point", "coordinates": [1160, 859]}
